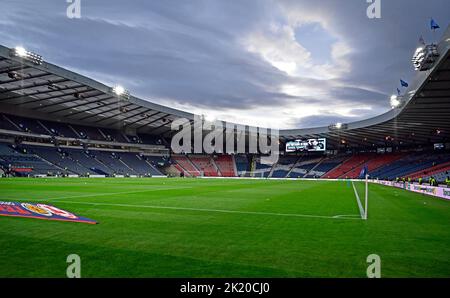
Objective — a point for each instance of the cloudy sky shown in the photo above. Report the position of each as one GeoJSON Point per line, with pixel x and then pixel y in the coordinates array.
{"type": "Point", "coordinates": [281, 64]}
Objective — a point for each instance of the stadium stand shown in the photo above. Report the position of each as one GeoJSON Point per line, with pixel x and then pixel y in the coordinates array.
{"type": "Point", "coordinates": [205, 164]}
{"type": "Point", "coordinates": [284, 166]}
{"type": "Point", "coordinates": [185, 165]}
{"type": "Point", "coordinates": [261, 170]}
{"type": "Point", "coordinates": [225, 165]}
{"type": "Point", "coordinates": [304, 165]}
{"type": "Point", "coordinates": [242, 164]}
{"type": "Point", "coordinates": [374, 162]}
{"type": "Point", "coordinates": [409, 164]}
{"type": "Point", "coordinates": [349, 165]}
{"type": "Point", "coordinates": [19, 162]}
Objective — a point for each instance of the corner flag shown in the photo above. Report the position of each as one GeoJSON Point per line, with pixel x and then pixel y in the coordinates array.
{"type": "Point", "coordinates": [364, 172]}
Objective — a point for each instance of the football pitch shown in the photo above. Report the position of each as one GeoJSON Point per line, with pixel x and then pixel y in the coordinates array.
{"type": "Point", "coordinates": [158, 227]}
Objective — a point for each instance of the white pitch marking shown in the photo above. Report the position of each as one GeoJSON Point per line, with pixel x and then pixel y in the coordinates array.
{"type": "Point", "coordinates": [361, 209]}
{"type": "Point", "coordinates": [102, 194]}
{"type": "Point", "coordinates": [211, 210]}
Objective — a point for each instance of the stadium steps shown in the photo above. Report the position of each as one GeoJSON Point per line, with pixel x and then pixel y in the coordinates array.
{"type": "Point", "coordinates": [213, 162]}
{"type": "Point", "coordinates": [356, 163]}
{"type": "Point", "coordinates": [271, 170]}
{"type": "Point", "coordinates": [293, 166]}
{"type": "Point", "coordinates": [12, 123]}
{"type": "Point", "coordinates": [313, 168]}
{"type": "Point", "coordinates": [130, 168]}
{"type": "Point", "coordinates": [192, 163]}
{"type": "Point", "coordinates": [104, 164]}
{"type": "Point", "coordinates": [53, 164]}
{"type": "Point", "coordinates": [153, 167]}
{"type": "Point", "coordinates": [45, 127]}
{"type": "Point", "coordinates": [74, 131]}
{"type": "Point", "coordinates": [234, 165]}
{"type": "Point", "coordinates": [333, 170]}
{"type": "Point", "coordinates": [374, 163]}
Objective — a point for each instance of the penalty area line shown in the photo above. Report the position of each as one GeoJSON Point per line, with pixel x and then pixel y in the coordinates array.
{"type": "Point", "coordinates": [215, 210]}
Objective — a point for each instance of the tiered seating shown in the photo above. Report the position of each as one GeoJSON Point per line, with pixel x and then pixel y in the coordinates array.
{"type": "Point", "coordinates": [138, 164]}
{"type": "Point", "coordinates": [262, 169]}
{"type": "Point", "coordinates": [348, 165]}
{"type": "Point", "coordinates": [284, 165]}
{"type": "Point", "coordinates": [113, 135]}
{"type": "Point", "coordinates": [24, 164]}
{"type": "Point", "coordinates": [225, 165]}
{"type": "Point", "coordinates": [374, 163]}
{"type": "Point", "coordinates": [327, 165]}
{"type": "Point", "coordinates": [186, 166]}
{"type": "Point", "coordinates": [60, 158]}
{"type": "Point", "coordinates": [149, 139]}
{"type": "Point", "coordinates": [59, 129]}
{"type": "Point", "coordinates": [303, 166]}
{"type": "Point", "coordinates": [242, 164]}
{"type": "Point", "coordinates": [5, 124]}
{"type": "Point", "coordinates": [28, 125]}
{"type": "Point", "coordinates": [156, 162]}
{"type": "Point", "coordinates": [87, 132]}
{"type": "Point", "coordinates": [112, 160]}
{"type": "Point", "coordinates": [409, 164]}
{"type": "Point", "coordinates": [204, 164]}
{"type": "Point", "coordinates": [440, 176]}
{"type": "Point", "coordinates": [87, 159]}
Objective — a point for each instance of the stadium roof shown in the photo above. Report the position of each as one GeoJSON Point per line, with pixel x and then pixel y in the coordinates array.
{"type": "Point", "coordinates": [46, 91]}
{"type": "Point", "coordinates": [424, 117]}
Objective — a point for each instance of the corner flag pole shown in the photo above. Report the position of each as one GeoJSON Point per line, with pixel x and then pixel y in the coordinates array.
{"type": "Point", "coordinates": [366, 197]}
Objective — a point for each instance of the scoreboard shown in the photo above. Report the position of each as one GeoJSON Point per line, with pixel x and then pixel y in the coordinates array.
{"type": "Point", "coordinates": [306, 145]}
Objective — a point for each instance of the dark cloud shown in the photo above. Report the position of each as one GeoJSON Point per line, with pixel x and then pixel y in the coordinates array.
{"type": "Point", "coordinates": [191, 52]}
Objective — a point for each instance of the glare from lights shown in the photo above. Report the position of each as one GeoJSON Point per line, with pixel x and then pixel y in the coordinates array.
{"type": "Point", "coordinates": [20, 51]}
{"type": "Point", "coordinates": [395, 101]}
{"type": "Point", "coordinates": [339, 125]}
{"type": "Point", "coordinates": [209, 118]}
{"type": "Point", "coordinates": [121, 91]}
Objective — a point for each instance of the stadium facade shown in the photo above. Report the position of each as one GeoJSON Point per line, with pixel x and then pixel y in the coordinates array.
{"type": "Point", "coordinates": [57, 122]}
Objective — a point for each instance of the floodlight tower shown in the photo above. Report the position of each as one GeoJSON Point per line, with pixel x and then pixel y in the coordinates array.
{"type": "Point", "coordinates": [22, 53]}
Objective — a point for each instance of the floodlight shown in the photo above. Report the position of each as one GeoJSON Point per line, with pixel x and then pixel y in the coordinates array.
{"type": "Point", "coordinates": [424, 57]}
{"type": "Point", "coordinates": [121, 92]}
{"type": "Point", "coordinates": [395, 101]}
{"type": "Point", "coordinates": [338, 126]}
{"type": "Point", "coordinates": [21, 52]}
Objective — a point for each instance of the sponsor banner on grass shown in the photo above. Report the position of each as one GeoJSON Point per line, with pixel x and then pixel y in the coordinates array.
{"type": "Point", "coordinates": [437, 191]}
{"type": "Point", "coordinates": [40, 211]}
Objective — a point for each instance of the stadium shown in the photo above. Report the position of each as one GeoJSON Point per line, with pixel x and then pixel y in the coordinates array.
{"type": "Point", "coordinates": [335, 195]}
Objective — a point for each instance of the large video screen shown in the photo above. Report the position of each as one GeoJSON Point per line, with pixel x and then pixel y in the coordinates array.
{"type": "Point", "coordinates": [309, 145]}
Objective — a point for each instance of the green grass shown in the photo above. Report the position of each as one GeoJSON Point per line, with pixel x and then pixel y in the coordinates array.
{"type": "Point", "coordinates": [410, 232]}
